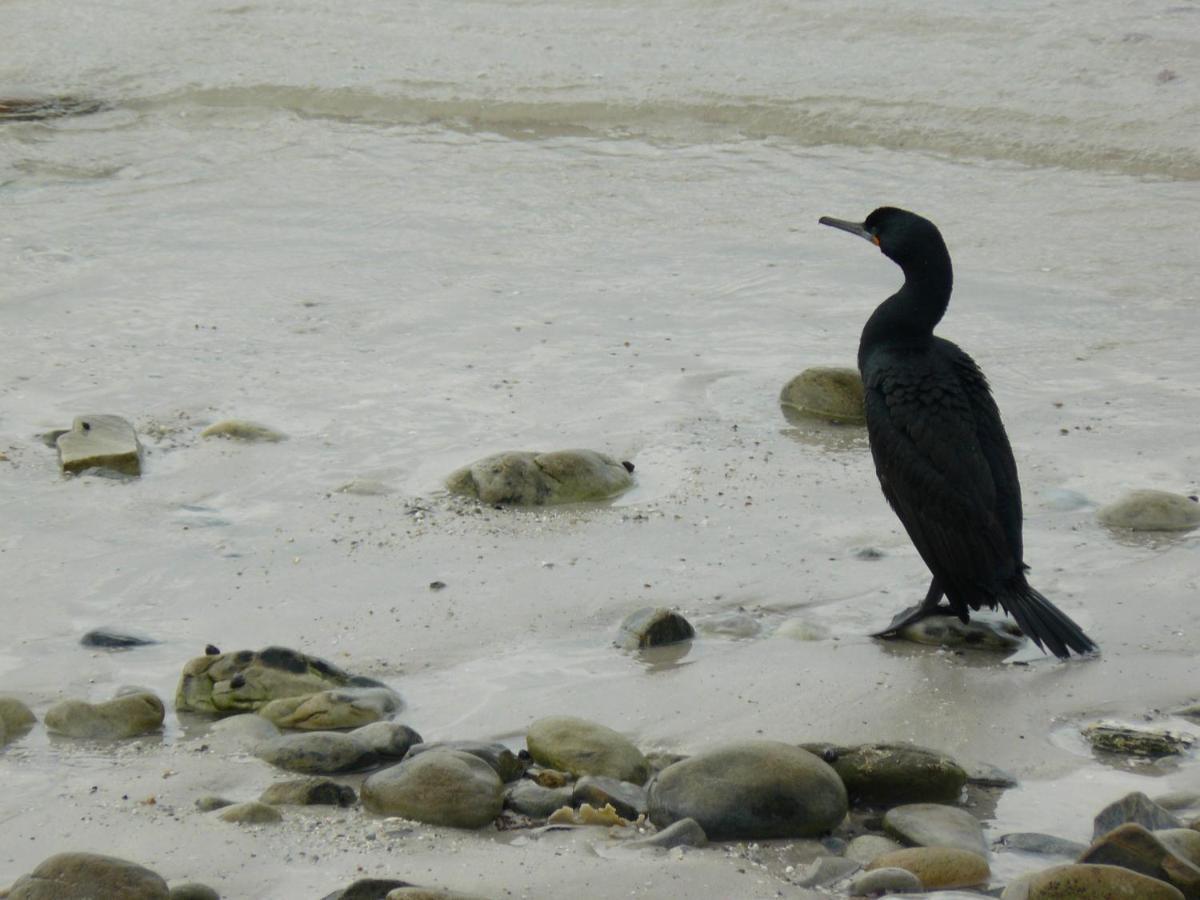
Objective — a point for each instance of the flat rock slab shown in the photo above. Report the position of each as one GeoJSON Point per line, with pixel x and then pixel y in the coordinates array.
{"type": "Point", "coordinates": [828, 393]}
{"type": "Point", "coordinates": [653, 627]}
{"type": "Point", "coordinates": [442, 787]}
{"type": "Point", "coordinates": [126, 716]}
{"type": "Point", "coordinates": [317, 753]}
{"type": "Point", "coordinates": [87, 876]}
{"type": "Point", "coordinates": [100, 442]}
{"type": "Point", "coordinates": [892, 774]}
{"type": "Point", "coordinates": [1084, 882]}
{"type": "Point", "coordinates": [750, 790]}
{"type": "Point", "coordinates": [1151, 511]}
{"type": "Point", "coordinates": [938, 868]}
{"type": "Point", "coordinates": [527, 478]}
{"type": "Point", "coordinates": [935, 825]}
{"type": "Point", "coordinates": [585, 748]}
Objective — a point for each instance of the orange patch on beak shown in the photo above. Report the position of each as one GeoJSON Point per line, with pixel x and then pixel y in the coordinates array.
{"type": "Point", "coordinates": [875, 240]}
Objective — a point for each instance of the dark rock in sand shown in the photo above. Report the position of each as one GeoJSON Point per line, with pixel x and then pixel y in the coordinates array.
{"type": "Point", "coordinates": [325, 710]}
{"type": "Point", "coordinates": [88, 876]}
{"type": "Point", "coordinates": [390, 740]}
{"type": "Point", "coordinates": [1151, 511]}
{"type": "Point", "coordinates": [585, 748]}
{"type": "Point", "coordinates": [684, 833]}
{"type": "Point", "coordinates": [441, 787]}
{"type": "Point", "coordinates": [828, 393]}
{"type": "Point", "coordinates": [750, 790]}
{"type": "Point", "coordinates": [938, 868]}
{"type": "Point", "coordinates": [309, 792]}
{"type": "Point", "coordinates": [193, 890]}
{"type": "Point", "coordinates": [100, 442]}
{"type": "Point", "coordinates": [503, 761]}
{"type": "Point", "coordinates": [885, 881]}
{"type": "Point", "coordinates": [1113, 737]}
{"type": "Point", "coordinates": [125, 716]}
{"type": "Point", "coordinates": [1135, 807]}
{"type": "Point", "coordinates": [1131, 846]}
{"type": "Point", "coordinates": [653, 627]}
{"type": "Point", "coordinates": [936, 825]}
{"type": "Point", "coordinates": [1083, 882]}
{"type": "Point", "coordinates": [1048, 844]}
{"type": "Point", "coordinates": [531, 479]}
{"type": "Point", "coordinates": [252, 813]}
{"type": "Point", "coordinates": [244, 681]}
{"type": "Point", "coordinates": [111, 639]}
{"type": "Point", "coordinates": [892, 774]}
{"type": "Point", "coordinates": [317, 753]}
{"type": "Point", "coordinates": [368, 889]}
{"type": "Point", "coordinates": [531, 799]}
{"type": "Point", "coordinates": [629, 800]}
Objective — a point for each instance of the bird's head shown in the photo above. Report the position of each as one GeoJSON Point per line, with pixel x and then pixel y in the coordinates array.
{"type": "Point", "coordinates": [909, 240]}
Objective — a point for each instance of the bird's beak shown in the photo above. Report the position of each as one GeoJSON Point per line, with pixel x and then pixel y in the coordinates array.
{"type": "Point", "coordinates": [852, 227]}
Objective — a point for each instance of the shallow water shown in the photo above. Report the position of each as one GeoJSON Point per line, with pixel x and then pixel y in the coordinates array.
{"type": "Point", "coordinates": [411, 237]}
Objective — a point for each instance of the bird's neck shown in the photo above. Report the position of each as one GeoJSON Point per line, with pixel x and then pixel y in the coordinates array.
{"type": "Point", "coordinates": [910, 314]}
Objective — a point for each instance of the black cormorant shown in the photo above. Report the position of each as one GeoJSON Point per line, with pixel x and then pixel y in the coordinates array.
{"type": "Point", "coordinates": [941, 453]}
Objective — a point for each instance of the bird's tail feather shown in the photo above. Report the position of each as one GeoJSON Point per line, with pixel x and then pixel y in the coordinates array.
{"type": "Point", "coordinates": [1048, 626]}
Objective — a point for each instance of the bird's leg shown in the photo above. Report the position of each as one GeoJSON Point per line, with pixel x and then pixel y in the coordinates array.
{"type": "Point", "coordinates": [930, 606]}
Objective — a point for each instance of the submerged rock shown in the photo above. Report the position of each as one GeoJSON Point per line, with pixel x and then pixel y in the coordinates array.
{"type": "Point", "coordinates": [731, 624]}
{"type": "Point", "coordinates": [978, 634]}
{"type": "Point", "coordinates": [86, 876]}
{"type": "Point", "coordinates": [653, 627]}
{"type": "Point", "coordinates": [936, 825]}
{"type": "Point", "coordinates": [585, 748]}
{"type": "Point", "coordinates": [1084, 882]}
{"type": "Point", "coordinates": [832, 394]}
{"type": "Point", "coordinates": [317, 753]}
{"type": "Point", "coordinates": [225, 683]}
{"type": "Point", "coordinates": [938, 868]}
{"type": "Point", "coordinates": [1048, 844]}
{"type": "Point", "coordinates": [824, 871]}
{"type": "Point", "coordinates": [308, 792]}
{"type": "Point", "coordinates": [527, 478]}
{"type": "Point", "coordinates": [241, 430]}
{"type": "Point", "coordinates": [127, 715]}
{"type": "Point", "coordinates": [442, 787]}
{"type": "Point", "coordinates": [893, 774]}
{"type": "Point", "coordinates": [503, 761]}
{"type": "Point", "coordinates": [1152, 511]}
{"type": "Point", "coordinates": [750, 790]}
{"type": "Point", "coordinates": [1113, 737]}
{"type": "Point", "coordinates": [1135, 807]}
{"type": "Point", "coordinates": [100, 442]}
{"type": "Point", "coordinates": [343, 708]}
{"type": "Point", "coordinates": [111, 639]}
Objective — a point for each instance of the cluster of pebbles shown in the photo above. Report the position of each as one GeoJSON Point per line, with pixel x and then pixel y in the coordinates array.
{"type": "Point", "coordinates": [866, 820]}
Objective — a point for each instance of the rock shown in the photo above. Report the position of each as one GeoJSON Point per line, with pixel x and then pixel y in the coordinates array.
{"type": "Point", "coordinates": [15, 719]}
{"type": "Point", "coordinates": [1177, 800]}
{"type": "Point", "coordinates": [503, 761]}
{"type": "Point", "coordinates": [533, 479]}
{"type": "Point", "coordinates": [308, 792]}
{"type": "Point", "coordinates": [1048, 844]}
{"type": "Point", "coordinates": [241, 430]}
{"type": "Point", "coordinates": [418, 893]}
{"type": "Point", "coordinates": [867, 847]}
{"type": "Point", "coordinates": [551, 778]}
{"type": "Point", "coordinates": [368, 889]}
{"type": "Point", "coordinates": [1082, 882]}
{"type": "Point", "coordinates": [978, 634]}
{"type": "Point", "coordinates": [801, 629]}
{"type": "Point", "coordinates": [987, 775]}
{"type": "Point", "coordinates": [684, 833]}
{"type": "Point", "coordinates": [1133, 847]}
{"type": "Point", "coordinates": [225, 683]}
{"type": "Point", "coordinates": [824, 871]}
{"type": "Point", "coordinates": [193, 890]}
{"type": "Point", "coordinates": [653, 627]}
{"type": "Point", "coordinates": [832, 394]}
{"type": "Point", "coordinates": [100, 442]}
{"type": "Point", "coordinates": [87, 876]}
{"type": "Point", "coordinates": [390, 740]}
{"type": "Point", "coordinates": [211, 803]}
{"type": "Point", "coordinates": [243, 732]}
{"type": "Point", "coordinates": [252, 813]}
{"type": "Point", "coordinates": [1113, 737]}
{"type": "Point", "coordinates": [342, 708]}
{"type": "Point", "coordinates": [750, 790]}
{"type": "Point", "coordinates": [938, 868]}
{"type": "Point", "coordinates": [585, 748]}
{"type": "Point", "coordinates": [441, 787]}
{"type": "Point", "coordinates": [1135, 807]}
{"type": "Point", "coordinates": [126, 716]}
{"type": "Point", "coordinates": [1152, 511]}
{"type": "Point", "coordinates": [891, 774]}
{"type": "Point", "coordinates": [35, 109]}
{"type": "Point", "coordinates": [111, 639]}
{"type": "Point", "coordinates": [935, 825]}
{"type": "Point", "coordinates": [629, 800]}
{"type": "Point", "coordinates": [731, 624]}
{"type": "Point", "coordinates": [531, 799]}
{"type": "Point", "coordinates": [317, 753]}
{"type": "Point", "coordinates": [885, 881]}
{"type": "Point", "coordinates": [1183, 842]}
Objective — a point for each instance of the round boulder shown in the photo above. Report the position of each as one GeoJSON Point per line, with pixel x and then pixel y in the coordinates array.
{"type": "Point", "coordinates": [750, 790]}
{"type": "Point", "coordinates": [126, 716]}
{"type": "Point", "coordinates": [585, 748]}
{"type": "Point", "coordinates": [441, 787]}
{"type": "Point", "coordinates": [833, 394]}
{"type": "Point", "coordinates": [85, 876]}
{"type": "Point", "coordinates": [1152, 511]}
{"type": "Point", "coordinates": [525, 478]}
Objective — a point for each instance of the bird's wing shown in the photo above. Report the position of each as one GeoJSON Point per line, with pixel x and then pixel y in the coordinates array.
{"type": "Point", "coordinates": [935, 472]}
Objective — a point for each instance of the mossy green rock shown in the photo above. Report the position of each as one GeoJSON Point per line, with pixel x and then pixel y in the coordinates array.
{"type": "Point", "coordinates": [834, 394]}
{"type": "Point", "coordinates": [441, 787]}
{"type": "Point", "coordinates": [88, 876]}
{"type": "Point", "coordinates": [585, 748]}
{"type": "Point", "coordinates": [100, 442]}
{"type": "Point", "coordinates": [525, 478]}
{"type": "Point", "coordinates": [125, 716]}
{"type": "Point", "coordinates": [893, 774]}
{"type": "Point", "coordinates": [1152, 511]}
{"type": "Point", "coordinates": [245, 681]}
{"type": "Point", "coordinates": [750, 790]}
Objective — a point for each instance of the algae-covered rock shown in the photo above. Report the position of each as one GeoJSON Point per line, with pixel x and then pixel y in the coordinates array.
{"type": "Point", "coordinates": [938, 868]}
{"type": "Point", "coordinates": [343, 708]}
{"type": "Point", "coordinates": [750, 790]}
{"type": "Point", "coordinates": [524, 478]}
{"type": "Point", "coordinates": [1131, 846]}
{"type": "Point", "coordinates": [892, 774]}
{"type": "Point", "coordinates": [100, 442]}
{"type": "Point", "coordinates": [833, 394]}
{"type": "Point", "coordinates": [127, 715]}
{"type": "Point", "coordinates": [1113, 737]}
{"type": "Point", "coordinates": [241, 430]}
{"type": "Point", "coordinates": [585, 748]}
{"type": "Point", "coordinates": [653, 627]}
{"type": "Point", "coordinates": [531, 799]}
{"type": "Point", "coordinates": [245, 681]}
{"type": "Point", "coordinates": [442, 787]}
{"type": "Point", "coordinates": [88, 876]}
{"type": "Point", "coordinates": [1151, 511]}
